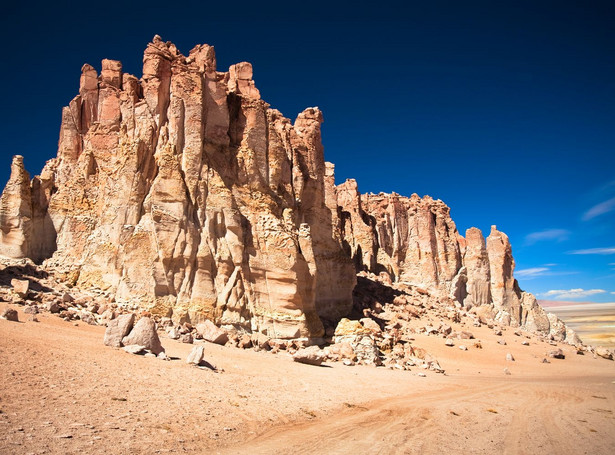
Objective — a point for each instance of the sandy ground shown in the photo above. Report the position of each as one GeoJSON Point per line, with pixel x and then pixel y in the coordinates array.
{"type": "Point", "coordinates": [63, 392]}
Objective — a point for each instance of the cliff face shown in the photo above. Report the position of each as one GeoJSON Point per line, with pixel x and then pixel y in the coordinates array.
{"type": "Point", "coordinates": [186, 192]}
{"type": "Point", "coordinates": [415, 241]}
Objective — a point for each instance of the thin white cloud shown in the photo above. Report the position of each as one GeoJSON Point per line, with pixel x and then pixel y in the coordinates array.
{"type": "Point", "coordinates": [531, 272]}
{"type": "Point", "coordinates": [571, 293]}
{"type": "Point", "coordinates": [600, 209]}
{"type": "Point", "coordinates": [557, 235]}
{"type": "Point", "coordinates": [610, 250]}
{"type": "Point", "coordinates": [550, 265]}
{"type": "Point", "coordinates": [613, 293]}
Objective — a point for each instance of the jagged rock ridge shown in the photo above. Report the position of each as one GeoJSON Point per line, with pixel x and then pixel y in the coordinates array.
{"type": "Point", "coordinates": [186, 192]}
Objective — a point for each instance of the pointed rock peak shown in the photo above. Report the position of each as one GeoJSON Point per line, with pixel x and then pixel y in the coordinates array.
{"type": "Point", "coordinates": [156, 39]}
{"type": "Point", "coordinates": [111, 73]}
{"type": "Point", "coordinates": [89, 78]}
{"type": "Point", "coordinates": [242, 71]}
{"type": "Point", "coordinates": [17, 161]}
{"type": "Point", "coordinates": [329, 169]}
{"type": "Point", "coordinates": [311, 113]}
{"type": "Point", "coordinates": [474, 233]}
{"type": "Point", "coordinates": [204, 56]}
{"type": "Point", "coordinates": [18, 171]}
{"type": "Point", "coordinates": [494, 228]}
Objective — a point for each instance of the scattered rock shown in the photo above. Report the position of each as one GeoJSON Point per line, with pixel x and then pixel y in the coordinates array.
{"type": "Point", "coordinates": [117, 329]}
{"type": "Point", "coordinates": [502, 342]}
{"type": "Point", "coordinates": [20, 287]}
{"type": "Point", "coordinates": [134, 348]}
{"type": "Point", "coordinates": [509, 357]}
{"type": "Point", "coordinates": [449, 342]}
{"type": "Point", "coordinates": [525, 343]}
{"type": "Point", "coordinates": [53, 307]}
{"type": "Point", "coordinates": [211, 332]}
{"type": "Point", "coordinates": [9, 314]}
{"type": "Point", "coordinates": [556, 354]}
{"type": "Point", "coordinates": [144, 334]}
{"type": "Point", "coordinates": [196, 356]}
{"type": "Point", "coordinates": [32, 309]}
{"type": "Point", "coordinates": [312, 355]}
{"type": "Point", "coordinates": [186, 338]}
{"type": "Point", "coordinates": [604, 353]}
{"type": "Point", "coordinates": [462, 347]}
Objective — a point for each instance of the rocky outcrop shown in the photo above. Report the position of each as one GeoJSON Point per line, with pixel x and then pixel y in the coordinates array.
{"type": "Point", "coordinates": [415, 241]}
{"type": "Point", "coordinates": [185, 192]}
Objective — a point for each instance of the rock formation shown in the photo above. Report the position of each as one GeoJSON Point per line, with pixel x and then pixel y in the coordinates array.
{"type": "Point", "coordinates": [185, 192]}
{"type": "Point", "coordinates": [415, 241]}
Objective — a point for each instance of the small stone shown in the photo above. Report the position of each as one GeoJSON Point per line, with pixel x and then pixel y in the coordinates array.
{"type": "Point", "coordinates": [186, 338]}
{"type": "Point", "coordinates": [134, 348]}
{"type": "Point", "coordinates": [53, 307]}
{"type": "Point", "coordinates": [545, 361]}
{"type": "Point", "coordinates": [33, 309]}
{"type": "Point", "coordinates": [9, 314]}
{"type": "Point", "coordinates": [449, 342]}
{"type": "Point", "coordinates": [604, 353]}
{"type": "Point", "coordinates": [510, 357]}
{"type": "Point", "coordinates": [67, 298]}
{"type": "Point", "coordinates": [463, 347]}
{"type": "Point", "coordinates": [525, 343]}
{"type": "Point", "coordinates": [20, 286]}
{"type": "Point", "coordinates": [196, 355]}
{"type": "Point", "coordinates": [502, 342]}
{"type": "Point", "coordinates": [506, 371]}
{"type": "Point", "coordinates": [421, 375]}
{"type": "Point", "coordinates": [556, 354]}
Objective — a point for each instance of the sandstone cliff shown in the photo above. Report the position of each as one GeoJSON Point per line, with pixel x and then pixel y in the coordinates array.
{"type": "Point", "coordinates": [415, 242]}
{"type": "Point", "coordinates": [184, 191]}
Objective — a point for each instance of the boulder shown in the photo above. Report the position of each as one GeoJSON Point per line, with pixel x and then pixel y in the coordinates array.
{"type": "Point", "coordinates": [117, 329]}
{"type": "Point", "coordinates": [556, 354]}
{"type": "Point", "coordinates": [212, 333]}
{"type": "Point", "coordinates": [144, 334]}
{"type": "Point", "coordinates": [311, 355]}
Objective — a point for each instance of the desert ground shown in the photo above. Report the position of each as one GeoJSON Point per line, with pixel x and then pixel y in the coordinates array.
{"type": "Point", "coordinates": [593, 322]}
{"type": "Point", "coordinates": [64, 392]}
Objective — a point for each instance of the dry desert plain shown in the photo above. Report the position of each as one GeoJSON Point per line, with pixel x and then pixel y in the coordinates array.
{"type": "Point", "coordinates": [63, 392]}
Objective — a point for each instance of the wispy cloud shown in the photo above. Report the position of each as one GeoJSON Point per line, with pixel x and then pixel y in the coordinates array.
{"type": "Point", "coordinates": [600, 209]}
{"type": "Point", "coordinates": [609, 250]}
{"type": "Point", "coordinates": [550, 265]}
{"type": "Point", "coordinates": [531, 272]}
{"type": "Point", "coordinates": [557, 235]}
{"type": "Point", "coordinates": [571, 293]}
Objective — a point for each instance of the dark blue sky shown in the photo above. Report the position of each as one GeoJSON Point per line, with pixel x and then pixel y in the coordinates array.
{"type": "Point", "coordinates": [506, 112]}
